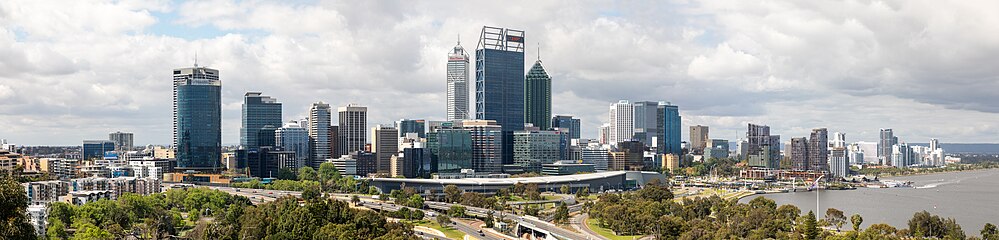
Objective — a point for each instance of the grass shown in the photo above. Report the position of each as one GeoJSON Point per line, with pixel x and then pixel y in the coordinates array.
{"type": "Point", "coordinates": [449, 232]}
{"type": "Point", "coordinates": [607, 233]}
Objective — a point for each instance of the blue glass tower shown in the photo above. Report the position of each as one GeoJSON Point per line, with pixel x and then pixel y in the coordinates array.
{"type": "Point", "coordinates": [669, 129]}
{"type": "Point", "coordinates": [418, 126]}
{"type": "Point", "coordinates": [567, 122]}
{"type": "Point", "coordinates": [95, 149]}
{"type": "Point", "coordinates": [197, 119]}
{"type": "Point", "coordinates": [499, 82]}
{"type": "Point", "coordinates": [261, 117]}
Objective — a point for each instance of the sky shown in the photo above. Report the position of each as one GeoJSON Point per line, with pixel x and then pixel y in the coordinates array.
{"type": "Point", "coordinates": [75, 70]}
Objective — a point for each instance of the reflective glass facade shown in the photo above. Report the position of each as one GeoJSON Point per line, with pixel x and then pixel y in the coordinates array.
{"type": "Point", "coordinates": [569, 123]}
{"type": "Point", "coordinates": [451, 149]}
{"type": "Point", "coordinates": [197, 119]}
{"type": "Point", "coordinates": [670, 131]}
{"type": "Point", "coordinates": [538, 97]}
{"type": "Point", "coordinates": [259, 112]}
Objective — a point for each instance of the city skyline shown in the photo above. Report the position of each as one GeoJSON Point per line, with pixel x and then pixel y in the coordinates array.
{"type": "Point", "coordinates": [714, 63]}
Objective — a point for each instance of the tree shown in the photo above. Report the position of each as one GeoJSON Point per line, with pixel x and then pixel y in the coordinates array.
{"type": "Point", "coordinates": [656, 191]}
{"type": "Point", "coordinates": [456, 211]}
{"type": "Point", "coordinates": [13, 218]}
{"type": "Point", "coordinates": [327, 171]}
{"type": "Point", "coordinates": [582, 193]}
{"type": "Point", "coordinates": [286, 174]}
{"type": "Point", "coordinates": [989, 232]}
{"type": "Point", "coordinates": [490, 221]}
{"type": "Point", "coordinates": [531, 191]}
{"type": "Point", "coordinates": [532, 209]}
{"type": "Point", "coordinates": [311, 193]}
{"type": "Point", "coordinates": [565, 189]}
{"type": "Point", "coordinates": [561, 214]}
{"type": "Point", "coordinates": [452, 194]}
{"type": "Point", "coordinates": [443, 219]}
{"type": "Point", "coordinates": [355, 200]}
{"type": "Point", "coordinates": [809, 228]}
{"type": "Point", "coordinates": [307, 173]}
{"type": "Point", "coordinates": [856, 219]}
{"type": "Point", "coordinates": [415, 201]}
{"type": "Point", "coordinates": [835, 217]}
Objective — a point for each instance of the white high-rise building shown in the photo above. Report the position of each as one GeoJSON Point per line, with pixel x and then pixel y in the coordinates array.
{"type": "Point", "coordinates": [622, 126]}
{"type": "Point", "coordinates": [319, 133]}
{"type": "Point", "coordinates": [596, 154]}
{"type": "Point", "coordinates": [603, 134]}
{"type": "Point", "coordinates": [353, 128]}
{"type": "Point", "coordinates": [457, 83]}
{"type": "Point", "coordinates": [839, 140]}
{"type": "Point", "coordinates": [293, 137]}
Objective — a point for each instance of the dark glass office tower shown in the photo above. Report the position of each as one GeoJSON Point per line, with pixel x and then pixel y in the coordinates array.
{"type": "Point", "coordinates": [567, 122]}
{"type": "Point", "coordinates": [499, 82]}
{"type": "Point", "coordinates": [538, 97]}
{"type": "Point", "coordinates": [450, 149]}
{"type": "Point", "coordinates": [418, 126]}
{"type": "Point", "coordinates": [669, 116]}
{"type": "Point", "coordinates": [261, 117]}
{"type": "Point", "coordinates": [197, 119]}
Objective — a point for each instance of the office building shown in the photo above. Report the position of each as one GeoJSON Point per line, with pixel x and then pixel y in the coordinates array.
{"type": "Point", "coordinates": [413, 162]}
{"type": "Point", "coordinates": [487, 145]}
{"type": "Point", "coordinates": [451, 149]}
{"type": "Point", "coordinates": [457, 83]}
{"type": "Point", "coordinates": [621, 121]}
{"type": "Point", "coordinates": [95, 149]}
{"type": "Point", "coordinates": [295, 138]}
{"type": "Point", "coordinates": [716, 148]}
{"type": "Point", "coordinates": [123, 141]}
{"type": "Point", "coordinates": [417, 126]}
{"type": "Point", "coordinates": [319, 133]}
{"type": "Point", "coordinates": [838, 165]}
{"type": "Point", "coordinates": [561, 168]}
{"type": "Point", "coordinates": [499, 77]}
{"type": "Point", "coordinates": [334, 141]}
{"type": "Point", "coordinates": [603, 133]}
{"type": "Point", "coordinates": [197, 119]}
{"type": "Point", "coordinates": [384, 144]}
{"type": "Point", "coordinates": [762, 149]}
{"type": "Point", "coordinates": [629, 156]}
{"type": "Point", "coordinates": [265, 162]}
{"type": "Point", "coordinates": [538, 97]}
{"type": "Point", "coordinates": [646, 122]}
{"type": "Point", "coordinates": [798, 152]}
{"type": "Point", "coordinates": [357, 163]}
{"type": "Point", "coordinates": [818, 150]}
{"type": "Point", "coordinates": [669, 129]}
{"type": "Point", "coordinates": [353, 125]}
{"type": "Point", "coordinates": [885, 142]}
{"type": "Point", "coordinates": [568, 123]}
{"type": "Point", "coordinates": [261, 117]}
{"type": "Point", "coordinates": [670, 162]}
{"type": "Point", "coordinates": [698, 139]}
{"type": "Point", "coordinates": [531, 149]}
{"type": "Point", "coordinates": [598, 155]}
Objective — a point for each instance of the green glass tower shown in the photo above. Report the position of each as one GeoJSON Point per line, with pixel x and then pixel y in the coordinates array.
{"type": "Point", "coordinates": [538, 97]}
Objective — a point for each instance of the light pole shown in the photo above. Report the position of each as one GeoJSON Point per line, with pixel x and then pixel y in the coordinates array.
{"type": "Point", "coordinates": [817, 194]}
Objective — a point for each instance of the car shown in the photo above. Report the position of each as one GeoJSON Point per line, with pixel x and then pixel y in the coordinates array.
{"type": "Point", "coordinates": [237, 190]}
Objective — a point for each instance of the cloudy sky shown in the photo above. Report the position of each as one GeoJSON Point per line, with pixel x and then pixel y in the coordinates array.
{"type": "Point", "coordinates": [74, 70]}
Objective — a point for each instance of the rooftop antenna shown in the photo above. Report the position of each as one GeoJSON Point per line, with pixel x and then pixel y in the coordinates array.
{"type": "Point", "coordinates": [195, 58]}
{"type": "Point", "coordinates": [459, 38]}
{"type": "Point", "coordinates": [539, 51]}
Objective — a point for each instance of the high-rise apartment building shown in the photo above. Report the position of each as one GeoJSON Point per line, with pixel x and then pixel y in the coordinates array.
{"type": "Point", "coordinates": [261, 116]}
{"type": "Point", "coordinates": [418, 126]}
{"type": "Point", "coordinates": [646, 122]}
{"type": "Point", "coordinates": [353, 122]}
{"type": "Point", "coordinates": [457, 83]}
{"type": "Point", "coordinates": [798, 152]}
{"type": "Point", "coordinates": [838, 165]}
{"type": "Point", "coordinates": [622, 125]}
{"type": "Point", "coordinates": [762, 149]}
{"type": "Point", "coordinates": [885, 142]}
{"type": "Point", "coordinates": [818, 150]}
{"type": "Point", "coordinates": [197, 119]}
{"type": "Point", "coordinates": [384, 144]}
{"type": "Point", "coordinates": [839, 140]}
{"type": "Point", "coordinates": [568, 123]}
{"type": "Point", "coordinates": [293, 137]}
{"type": "Point", "coordinates": [698, 138]}
{"type": "Point", "coordinates": [123, 141]}
{"type": "Point", "coordinates": [319, 133]}
{"type": "Point", "coordinates": [538, 97]}
{"type": "Point", "coordinates": [669, 129]}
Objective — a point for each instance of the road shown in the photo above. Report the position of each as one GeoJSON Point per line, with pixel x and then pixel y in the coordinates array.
{"type": "Point", "coordinates": [544, 225]}
{"type": "Point", "coordinates": [579, 223]}
{"type": "Point", "coordinates": [472, 231]}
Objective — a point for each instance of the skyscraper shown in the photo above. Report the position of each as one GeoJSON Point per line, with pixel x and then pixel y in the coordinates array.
{"type": "Point", "coordinates": [499, 79]}
{"type": "Point", "coordinates": [531, 149]}
{"type": "Point", "coordinates": [418, 126]}
{"type": "Point", "coordinates": [353, 122]}
{"type": "Point", "coordinates": [839, 140]}
{"type": "Point", "coordinates": [260, 113]}
{"type": "Point", "coordinates": [384, 144]}
{"type": "Point", "coordinates": [818, 150]}
{"type": "Point", "coordinates": [197, 118]}
{"type": "Point", "coordinates": [451, 149]}
{"type": "Point", "coordinates": [122, 140]}
{"type": "Point", "coordinates": [487, 145]}
{"type": "Point", "coordinates": [762, 149]}
{"type": "Point", "coordinates": [293, 137]}
{"type": "Point", "coordinates": [798, 152]}
{"type": "Point", "coordinates": [319, 133]}
{"type": "Point", "coordinates": [622, 126]}
{"type": "Point", "coordinates": [886, 140]}
{"type": "Point", "coordinates": [646, 122]}
{"type": "Point", "coordinates": [568, 123]}
{"type": "Point", "coordinates": [669, 129]}
{"type": "Point", "coordinates": [698, 138]}
{"type": "Point", "coordinates": [538, 97]}
{"type": "Point", "coordinates": [457, 83]}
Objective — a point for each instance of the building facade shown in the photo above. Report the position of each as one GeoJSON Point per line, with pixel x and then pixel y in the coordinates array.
{"type": "Point", "coordinates": [418, 126]}
{"type": "Point", "coordinates": [95, 149]}
{"type": "Point", "coordinates": [798, 152]}
{"type": "Point", "coordinates": [538, 97]}
{"type": "Point", "coordinates": [531, 149]}
{"type": "Point", "coordinates": [123, 141]}
{"type": "Point", "coordinates": [818, 150]}
{"type": "Point", "coordinates": [384, 144]}
{"type": "Point", "coordinates": [457, 83]}
{"type": "Point", "coordinates": [646, 122]}
{"type": "Point", "coordinates": [353, 125]}
{"type": "Point", "coordinates": [197, 119]}
{"type": "Point", "coordinates": [487, 145]}
{"type": "Point", "coordinates": [293, 137]}
{"type": "Point", "coordinates": [669, 131]}
{"type": "Point", "coordinates": [451, 149]}
{"type": "Point", "coordinates": [499, 77]}
{"type": "Point", "coordinates": [622, 125]}
{"type": "Point", "coordinates": [261, 117]}
{"type": "Point", "coordinates": [319, 133]}
{"type": "Point", "coordinates": [698, 138]}
{"type": "Point", "coordinates": [569, 124]}
{"type": "Point", "coordinates": [762, 149]}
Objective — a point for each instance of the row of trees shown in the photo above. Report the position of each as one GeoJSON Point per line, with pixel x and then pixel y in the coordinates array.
{"type": "Point", "coordinates": [653, 211]}
{"type": "Point", "coordinates": [326, 179]}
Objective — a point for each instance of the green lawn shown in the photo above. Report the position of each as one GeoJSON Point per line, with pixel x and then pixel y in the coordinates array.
{"type": "Point", "coordinates": [449, 232]}
{"type": "Point", "coordinates": [607, 233]}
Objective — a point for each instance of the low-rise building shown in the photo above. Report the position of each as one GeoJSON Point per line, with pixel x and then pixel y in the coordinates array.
{"type": "Point", "coordinates": [566, 168]}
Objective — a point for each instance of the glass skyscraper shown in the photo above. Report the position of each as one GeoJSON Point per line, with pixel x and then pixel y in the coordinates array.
{"type": "Point", "coordinates": [319, 133]}
{"type": "Point", "coordinates": [538, 97]}
{"type": "Point", "coordinates": [451, 149]}
{"type": "Point", "coordinates": [669, 129]}
{"type": "Point", "coordinates": [261, 116]}
{"type": "Point", "coordinates": [645, 121]}
{"type": "Point", "coordinates": [567, 122]}
{"type": "Point", "coordinates": [197, 118]}
{"type": "Point", "coordinates": [412, 126]}
{"type": "Point", "coordinates": [499, 83]}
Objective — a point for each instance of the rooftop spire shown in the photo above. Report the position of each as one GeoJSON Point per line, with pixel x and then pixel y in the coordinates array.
{"type": "Point", "coordinates": [195, 58]}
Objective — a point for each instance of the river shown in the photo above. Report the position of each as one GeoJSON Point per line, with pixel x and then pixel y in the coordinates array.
{"type": "Point", "coordinates": [970, 197]}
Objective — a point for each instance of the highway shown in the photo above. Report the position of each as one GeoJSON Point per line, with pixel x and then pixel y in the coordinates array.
{"type": "Point", "coordinates": [544, 225]}
{"type": "Point", "coordinates": [579, 223]}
